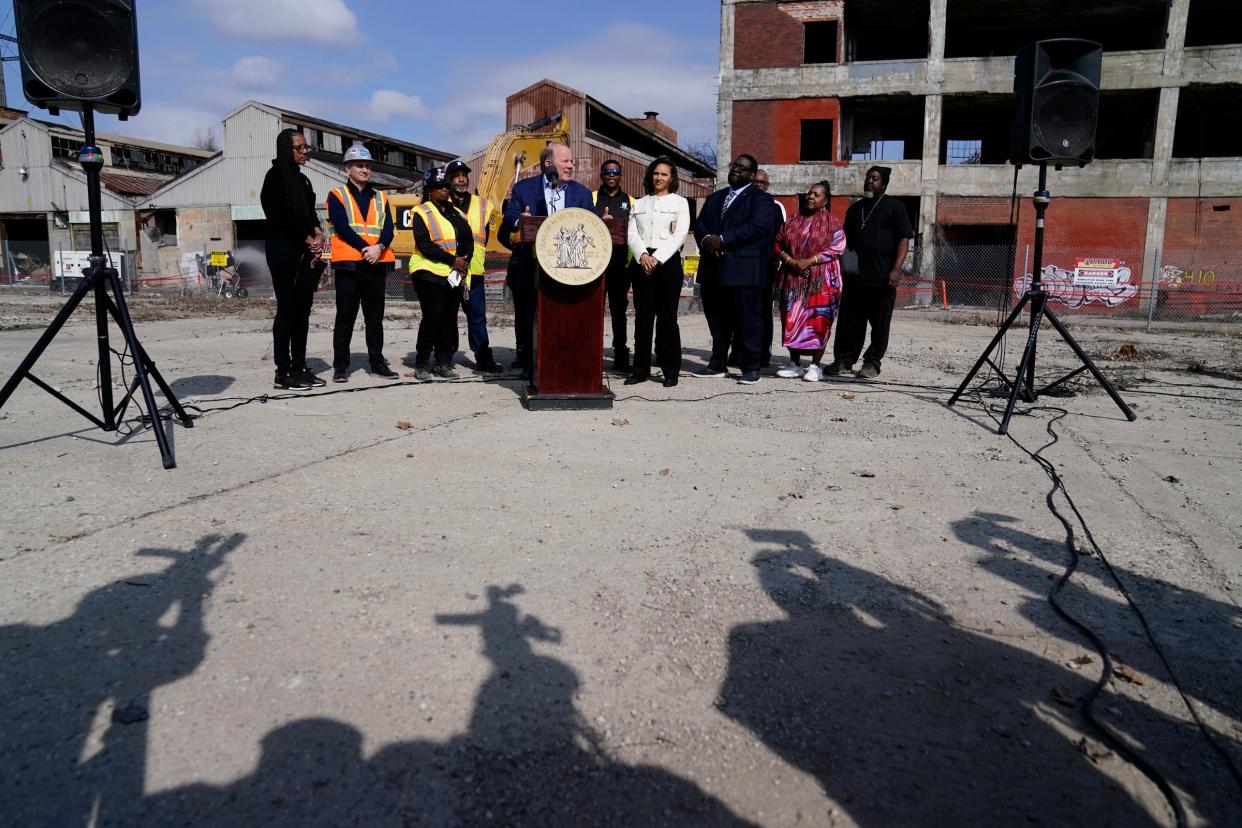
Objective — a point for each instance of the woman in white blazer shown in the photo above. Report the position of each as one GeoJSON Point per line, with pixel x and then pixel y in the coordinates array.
{"type": "Point", "coordinates": [659, 222]}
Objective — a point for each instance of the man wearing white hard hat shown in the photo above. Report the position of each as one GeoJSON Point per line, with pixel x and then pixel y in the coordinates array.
{"type": "Point", "coordinates": [361, 239]}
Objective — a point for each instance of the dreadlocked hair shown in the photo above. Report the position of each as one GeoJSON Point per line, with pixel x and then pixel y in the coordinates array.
{"type": "Point", "coordinates": [295, 184]}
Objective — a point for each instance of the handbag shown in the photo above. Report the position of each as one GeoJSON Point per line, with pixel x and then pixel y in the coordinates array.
{"type": "Point", "coordinates": [309, 272]}
{"type": "Point", "coordinates": [849, 263]}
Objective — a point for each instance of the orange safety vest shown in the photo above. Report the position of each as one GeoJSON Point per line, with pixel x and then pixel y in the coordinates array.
{"type": "Point", "coordinates": [369, 227]}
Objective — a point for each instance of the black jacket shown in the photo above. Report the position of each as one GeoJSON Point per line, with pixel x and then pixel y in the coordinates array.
{"type": "Point", "coordinates": [747, 229]}
{"type": "Point", "coordinates": [282, 221]}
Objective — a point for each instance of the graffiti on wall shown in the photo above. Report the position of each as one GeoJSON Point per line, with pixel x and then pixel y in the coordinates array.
{"type": "Point", "coordinates": [1106, 282]}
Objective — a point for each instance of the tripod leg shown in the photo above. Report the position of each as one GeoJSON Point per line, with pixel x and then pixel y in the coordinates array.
{"type": "Point", "coordinates": [1028, 354]}
{"type": "Point", "coordinates": [1004, 328]}
{"type": "Point", "coordinates": [178, 411]}
{"type": "Point", "coordinates": [140, 369]}
{"type": "Point", "coordinates": [105, 352]}
{"type": "Point", "coordinates": [1090, 366]}
{"type": "Point", "coordinates": [46, 339]}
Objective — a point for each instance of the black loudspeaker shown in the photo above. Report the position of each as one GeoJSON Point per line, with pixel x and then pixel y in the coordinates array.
{"type": "Point", "coordinates": [1058, 87]}
{"type": "Point", "coordinates": [76, 52]}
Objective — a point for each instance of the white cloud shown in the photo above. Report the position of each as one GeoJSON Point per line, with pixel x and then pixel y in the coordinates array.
{"type": "Point", "coordinates": [258, 73]}
{"type": "Point", "coordinates": [169, 123]}
{"type": "Point", "coordinates": [387, 104]}
{"type": "Point", "coordinates": [314, 21]}
{"type": "Point", "coordinates": [631, 68]}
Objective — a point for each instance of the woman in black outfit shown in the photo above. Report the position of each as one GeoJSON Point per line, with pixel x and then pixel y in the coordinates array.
{"type": "Point", "coordinates": [293, 232]}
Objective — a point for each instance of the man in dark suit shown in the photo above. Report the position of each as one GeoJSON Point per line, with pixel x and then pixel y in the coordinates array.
{"type": "Point", "coordinates": [554, 190]}
{"type": "Point", "coordinates": [734, 233]}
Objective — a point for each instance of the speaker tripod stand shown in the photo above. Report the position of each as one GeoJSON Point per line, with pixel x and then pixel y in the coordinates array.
{"type": "Point", "coordinates": [1024, 380]}
{"type": "Point", "coordinates": [99, 279]}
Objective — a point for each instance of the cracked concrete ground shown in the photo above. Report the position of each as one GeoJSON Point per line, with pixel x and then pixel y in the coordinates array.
{"type": "Point", "coordinates": [786, 604]}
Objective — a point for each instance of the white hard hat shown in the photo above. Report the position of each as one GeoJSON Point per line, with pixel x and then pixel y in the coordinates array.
{"type": "Point", "coordinates": [357, 153]}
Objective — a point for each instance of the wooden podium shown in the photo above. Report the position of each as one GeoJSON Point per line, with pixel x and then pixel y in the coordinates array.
{"type": "Point", "coordinates": [569, 335]}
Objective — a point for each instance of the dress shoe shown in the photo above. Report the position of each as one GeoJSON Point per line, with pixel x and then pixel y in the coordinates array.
{"type": "Point", "coordinates": [516, 364]}
{"type": "Point", "coordinates": [635, 379]}
{"type": "Point", "coordinates": [381, 369]}
{"type": "Point", "coordinates": [669, 382]}
{"type": "Point", "coordinates": [340, 375]}
{"type": "Point", "coordinates": [711, 371]}
{"type": "Point", "coordinates": [749, 378]}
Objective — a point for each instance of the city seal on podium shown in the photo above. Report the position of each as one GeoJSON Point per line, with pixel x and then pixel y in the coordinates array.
{"type": "Point", "coordinates": [573, 246]}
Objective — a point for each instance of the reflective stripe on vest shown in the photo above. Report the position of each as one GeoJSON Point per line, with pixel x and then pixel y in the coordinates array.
{"type": "Point", "coordinates": [442, 234]}
{"type": "Point", "coordinates": [480, 217]}
{"type": "Point", "coordinates": [369, 227]}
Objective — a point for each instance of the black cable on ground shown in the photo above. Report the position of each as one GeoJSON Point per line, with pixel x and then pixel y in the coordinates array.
{"type": "Point", "coordinates": [1058, 485]}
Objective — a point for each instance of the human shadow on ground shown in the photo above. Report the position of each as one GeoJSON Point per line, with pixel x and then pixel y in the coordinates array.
{"type": "Point", "coordinates": [528, 758]}
{"type": "Point", "coordinates": [75, 694]}
{"type": "Point", "coordinates": [904, 716]}
{"type": "Point", "coordinates": [1198, 634]}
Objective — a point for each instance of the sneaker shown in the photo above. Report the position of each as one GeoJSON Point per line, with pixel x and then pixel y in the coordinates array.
{"type": "Point", "coordinates": [422, 373]}
{"type": "Point", "coordinates": [444, 371]}
{"type": "Point", "coordinates": [314, 381]}
{"type": "Point", "coordinates": [836, 368]}
{"type": "Point", "coordinates": [868, 371]}
{"type": "Point", "coordinates": [381, 369]}
{"type": "Point", "coordinates": [488, 366]}
{"type": "Point", "coordinates": [791, 371]}
{"type": "Point", "coordinates": [286, 380]}
{"type": "Point", "coordinates": [340, 375]}
{"type": "Point", "coordinates": [711, 371]}
{"type": "Point", "coordinates": [813, 374]}
{"type": "Point", "coordinates": [749, 378]}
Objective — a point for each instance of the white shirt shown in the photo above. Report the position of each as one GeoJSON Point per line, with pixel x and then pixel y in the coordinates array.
{"type": "Point", "coordinates": [659, 222]}
{"type": "Point", "coordinates": [553, 196]}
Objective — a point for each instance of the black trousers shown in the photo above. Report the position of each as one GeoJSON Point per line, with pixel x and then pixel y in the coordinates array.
{"type": "Point", "coordinates": [362, 286]}
{"type": "Point", "coordinates": [293, 305]}
{"type": "Point", "coordinates": [656, 298]}
{"type": "Point", "coordinates": [734, 317]}
{"type": "Point", "coordinates": [617, 280]}
{"type": "Point", "coordinates": [861, 306]}
{"type": "Point", "coordinates": [437, 329]}
{"type": "Point", "coordinates": [766, 293]}
{"type": "Point", "coordinates": [523, 292]}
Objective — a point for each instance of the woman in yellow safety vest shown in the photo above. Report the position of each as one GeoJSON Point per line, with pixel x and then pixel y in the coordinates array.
{"type": "Point", "coordinates": [439, 269]}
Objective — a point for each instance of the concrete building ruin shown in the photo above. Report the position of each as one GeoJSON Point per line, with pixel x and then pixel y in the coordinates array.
{"type": "Point", "coordinates": [821, 89]}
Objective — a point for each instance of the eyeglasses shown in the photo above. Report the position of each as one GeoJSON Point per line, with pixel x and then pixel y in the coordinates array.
{"type": "Point", "coordinates": [741, 167]}
{"type": "Point", "coordinates": [610, 172]}
{"type": "Point", "coordinates": [301, 147]}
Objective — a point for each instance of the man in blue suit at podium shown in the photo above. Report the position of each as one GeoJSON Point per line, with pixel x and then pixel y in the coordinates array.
{"type": "Point", "coordinates": [554, 190]}
{"type": "Point", "coordinates": [735, 231]}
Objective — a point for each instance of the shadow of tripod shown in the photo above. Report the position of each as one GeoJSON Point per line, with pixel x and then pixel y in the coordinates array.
{"type": "Point", "coordinates": [1023, 383]}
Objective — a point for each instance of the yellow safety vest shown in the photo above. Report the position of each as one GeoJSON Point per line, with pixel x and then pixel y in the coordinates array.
{"type": "Point", "coordinates": [369, 226]}
{"type": "Point", "coordinates": [480, 215]}
{"type": "Point", "coordinates": [629, 254]}
{"type": "Point", "coordinates": [442, 233]}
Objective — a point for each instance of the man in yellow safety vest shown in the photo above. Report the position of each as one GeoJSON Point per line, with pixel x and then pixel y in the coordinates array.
{"type": "Point", "coordinates": [361, 239]}
{"type": "Point", "coordinates": [482, 215]}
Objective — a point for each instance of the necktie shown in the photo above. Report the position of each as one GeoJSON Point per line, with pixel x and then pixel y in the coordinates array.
{"type": "Point", "coordinates": [728, 200]}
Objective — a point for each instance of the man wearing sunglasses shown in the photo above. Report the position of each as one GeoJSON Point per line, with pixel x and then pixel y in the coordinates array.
{"type": "Point", "coordinates": [612, 200]}
{"type": "Point", "coordinates": [735, 231]}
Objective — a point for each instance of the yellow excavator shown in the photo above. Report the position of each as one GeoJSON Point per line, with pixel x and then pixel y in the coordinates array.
{"type": "Point", "coordinates": [506, 156]}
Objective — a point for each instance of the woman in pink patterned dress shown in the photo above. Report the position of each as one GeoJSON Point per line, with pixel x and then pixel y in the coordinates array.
{"type": "Point", "coordinates": [808, 247]}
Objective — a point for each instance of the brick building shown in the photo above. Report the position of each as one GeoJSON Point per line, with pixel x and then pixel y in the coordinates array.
{"type": "Point", "coordinates": [821, 89]}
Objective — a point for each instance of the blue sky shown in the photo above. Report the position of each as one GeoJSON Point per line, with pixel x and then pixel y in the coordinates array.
{"type": "Point", "coordinates": [435, 74]}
